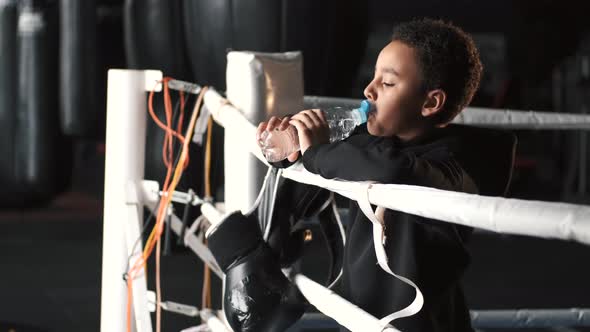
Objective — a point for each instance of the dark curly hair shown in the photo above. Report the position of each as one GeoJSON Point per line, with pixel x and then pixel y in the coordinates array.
{"type": "Point", "coordinates": [448, 60]}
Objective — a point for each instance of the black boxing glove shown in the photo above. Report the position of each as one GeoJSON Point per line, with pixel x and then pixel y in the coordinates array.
{"type": "Point", "coordinates": [258, 296]}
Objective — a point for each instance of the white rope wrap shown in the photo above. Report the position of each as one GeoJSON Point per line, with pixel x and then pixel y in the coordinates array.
{"type": "Point", "coordinates": [488, 319]}
{"type": "Point", "coordinates": [486, 117]}
{"type": "Point", "coordinates": [344, 312]}
{"type": "Point", "coordinates": [522, 119]}
{"type": "Point", "coordinates": [530, 318]}
{"type": "Point", "coordinates": [509, 216]}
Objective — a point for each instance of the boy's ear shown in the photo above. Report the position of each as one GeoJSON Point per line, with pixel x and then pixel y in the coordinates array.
{"type": "Point", "coordinates": [435, 100]}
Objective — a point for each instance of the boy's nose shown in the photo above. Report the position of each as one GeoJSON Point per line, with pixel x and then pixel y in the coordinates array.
{"type": "Point", "coordinates": [369, 92]}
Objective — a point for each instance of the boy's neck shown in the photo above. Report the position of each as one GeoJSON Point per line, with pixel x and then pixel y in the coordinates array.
{"type": "Point", "coordinates": [417, 135]}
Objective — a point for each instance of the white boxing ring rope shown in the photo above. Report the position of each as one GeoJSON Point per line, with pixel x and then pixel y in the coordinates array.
{"type": "Point", "coordinates": [530, 318]}
{"type": "Point", "coordinates": [512, 216]}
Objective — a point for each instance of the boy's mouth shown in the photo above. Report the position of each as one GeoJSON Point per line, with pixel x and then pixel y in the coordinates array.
{"type": "Point", "coordinates": [372, 110]}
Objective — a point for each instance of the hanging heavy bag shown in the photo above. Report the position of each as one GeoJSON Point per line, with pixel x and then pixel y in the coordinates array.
{"type": "Point", "coordinates": [80, 114]}
{"type": "Point", "coordinates": [154, 40]}
{"type": "Point", "coordinates": [154, 37]}
{"type": "Point", "coordinates": [323, 30]}
{"type": "Point", "coordinates": [42, 160]}
{"type": "Point", "coordinates": [208, 35]}
{"type": "Point", "coordinates": [8, 88]}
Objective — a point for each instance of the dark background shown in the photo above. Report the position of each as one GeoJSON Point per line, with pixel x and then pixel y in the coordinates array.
{"type": "Point", "coordinates": [52, 100]}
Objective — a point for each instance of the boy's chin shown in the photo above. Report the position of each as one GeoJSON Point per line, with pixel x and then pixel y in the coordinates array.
{"type": "Point", "coordinates": [370, 126]}
{"type": "Point", "coordinates": [373, 128]}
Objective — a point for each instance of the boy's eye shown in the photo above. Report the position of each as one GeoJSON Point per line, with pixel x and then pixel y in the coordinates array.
{"type": "Point", "coordinates": [387, 84]}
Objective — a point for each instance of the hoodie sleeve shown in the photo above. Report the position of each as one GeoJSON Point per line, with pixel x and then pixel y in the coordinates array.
{"type": "Point", "coordinates": [346, 161]}
{"type": "Point", "coordinates": [384, 162]}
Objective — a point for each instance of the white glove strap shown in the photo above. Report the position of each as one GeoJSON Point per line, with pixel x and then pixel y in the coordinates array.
{"type": "Point", "coordinates": [379, 242]}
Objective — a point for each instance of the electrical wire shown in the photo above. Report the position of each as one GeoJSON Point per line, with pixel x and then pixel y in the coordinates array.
{"type": "Point", "coordinates": [206, 290]}
{"type": "Point", "coordinates": [178, 111]}
{"type": "Point", "coordinates": [172, 178]}
{"type": "Point", "coordinates": [208, 158]}
{"type": "Point", "coordinates": [144, 227]}
{"type": "Point", "coordinates": [176, 178]}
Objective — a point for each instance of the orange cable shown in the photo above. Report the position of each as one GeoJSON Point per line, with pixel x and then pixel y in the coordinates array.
{"type": "Point", "coordinates": [177, 175]}
{"type": "Point", "coordinates": [168, 190]}
{"type": "Point", "coordinates": [206, 290]}
{"type": "Point", "coordinates": [208, 158]}
{"type": "Point", "coordinates": [155, 118]}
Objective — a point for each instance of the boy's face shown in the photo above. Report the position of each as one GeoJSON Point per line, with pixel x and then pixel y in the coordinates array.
{"type": "Point", "coordinates": [396, 92]}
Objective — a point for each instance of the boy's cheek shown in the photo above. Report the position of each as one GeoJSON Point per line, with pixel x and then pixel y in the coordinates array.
{"type": "Point", "coordinates": [373, 127]}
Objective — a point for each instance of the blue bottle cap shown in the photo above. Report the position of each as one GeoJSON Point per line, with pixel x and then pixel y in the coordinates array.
{"type": "Point", "coordinates": [364, 110]}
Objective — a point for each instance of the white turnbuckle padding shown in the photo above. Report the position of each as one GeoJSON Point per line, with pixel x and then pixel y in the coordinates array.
{"type": "Point", "coordinates": [260, 85]}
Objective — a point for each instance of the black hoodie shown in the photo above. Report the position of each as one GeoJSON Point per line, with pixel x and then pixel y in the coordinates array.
{"type": "Point", "coordinates": [431, 253]}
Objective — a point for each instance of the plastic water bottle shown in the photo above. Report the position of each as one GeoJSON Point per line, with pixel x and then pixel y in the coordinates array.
{"type": "Point", "coordinates": [279, 144]}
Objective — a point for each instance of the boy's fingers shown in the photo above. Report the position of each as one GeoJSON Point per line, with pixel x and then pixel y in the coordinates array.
{"type": "Point", "coordinates": [302, 129]}
{"type": "Point", "coordinates": [305, 119]}
{"type": "Point", "coordinates": [260, 129]}
{"type": "Point", "coordinates": [318, 112]}
{"type": "Point", "coordinates": [304, 133]}
{"type": "Point", "coordinates": [310, 114]}
{"type": "Point", "coordinates": [284, 123]}
{"type": "Point", "coordinates": [298, 124]}
{"type": "Point", "coordinates": [273, 122]}
{"type": "Point", "coordinates": [317, 121]}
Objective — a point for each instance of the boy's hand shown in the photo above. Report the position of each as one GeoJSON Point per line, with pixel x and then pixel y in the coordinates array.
{"type": "Point", "coordinates": [312, 128]}
{"type": "Point", "coordinates": [275, 123]}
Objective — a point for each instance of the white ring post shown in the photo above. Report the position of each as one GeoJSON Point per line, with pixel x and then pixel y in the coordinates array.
{"type": "Point", "coordinates": [124, 162]}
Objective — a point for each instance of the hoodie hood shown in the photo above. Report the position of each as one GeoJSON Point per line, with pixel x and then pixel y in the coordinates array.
{"type": "Point", "coordinates": [487, 155]}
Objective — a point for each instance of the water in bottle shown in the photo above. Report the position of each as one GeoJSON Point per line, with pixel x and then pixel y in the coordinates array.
{"type": "Point", "coordinates": [279, 144]}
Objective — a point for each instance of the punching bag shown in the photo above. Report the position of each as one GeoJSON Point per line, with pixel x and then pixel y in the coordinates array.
{"type": "Point", "coordinates": [8, 88]}
{"type": "Point", "coordinates": [331, 34]}
{"type": "Point", "coordinates": [41, 157]}
{"type": "Point", "coordinates": [110, 51]}
{"type": "Point", "coordinates": [80, 114]}
{"type": "Point", "coordinates": [209, 34]}
{"type": "Point", "coordinates": [154, 39]}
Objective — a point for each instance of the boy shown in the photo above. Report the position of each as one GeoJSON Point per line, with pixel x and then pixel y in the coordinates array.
{"type": "Point", "coordinates": [423, 78]}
